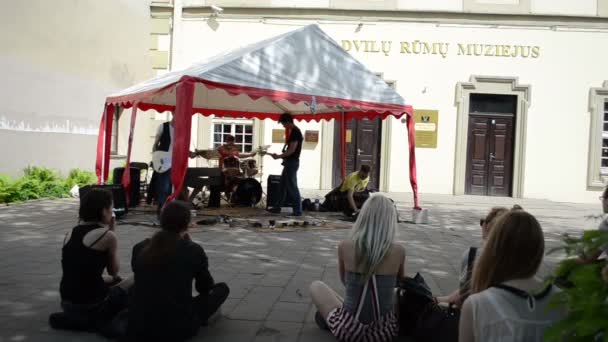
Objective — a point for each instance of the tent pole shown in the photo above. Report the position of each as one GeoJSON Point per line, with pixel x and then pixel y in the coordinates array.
{"type": "Point", "coordinates": [126, 175]}
{"type": "Point", "coordinates": [108, 141]}
{"type": "Point", "coordinates": [104, 139]}
{"type": "Point", "coordinates": [343, 145]}
{"type": "Point", "coordinates": [412, 162]}
{"type": "Point", "coordinates": [182, 117]}
{"type": "Point", "coordinates": [101, 143]}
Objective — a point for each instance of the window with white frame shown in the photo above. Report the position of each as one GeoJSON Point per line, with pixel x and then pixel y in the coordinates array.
{"type": "Point", "coordinates": [241, 130]}
{"type": "Point", "coordinates": [604, 161]}
{"type": "Point", "coordinates": [597, 163]}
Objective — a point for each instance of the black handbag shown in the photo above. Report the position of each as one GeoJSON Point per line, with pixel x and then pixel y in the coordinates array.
{"type": "Point", "coordinates": [437, 323]}
{"type": "Point", "coordinates": [414, 295]}
{"type": "Point", "coordinates": [421, 318]}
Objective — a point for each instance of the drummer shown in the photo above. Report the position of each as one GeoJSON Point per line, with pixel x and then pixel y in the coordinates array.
{"type": "Point", "coordinates": [230, 149]}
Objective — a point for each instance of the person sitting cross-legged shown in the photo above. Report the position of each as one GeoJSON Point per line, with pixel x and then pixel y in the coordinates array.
{"type": "Point", "coordinates": [370, 262]}
{"type": "Point", "coordinates": [351, 194]}
{"type": "Point", "coordinates": [89, 298]}
{"type": "Point", "coordinates": [165, 266]}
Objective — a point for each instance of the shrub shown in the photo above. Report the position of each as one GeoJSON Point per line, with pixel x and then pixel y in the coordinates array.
{"type": "Point", "coordinates": [26, 188]}
{"type": "Point", "coordinates": [585, 295]}
{"type": "Point", "coordinates": [42, 174]}
{"type": "Point", "coordinates": [5, 190]}
{"type": "Point", "coordinates": [80, 178]}
{"type": "Point", "coordinates": [40, 182]}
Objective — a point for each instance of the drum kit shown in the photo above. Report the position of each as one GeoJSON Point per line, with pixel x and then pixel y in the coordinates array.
{"type": "Point", "coordinates": [245, 190]}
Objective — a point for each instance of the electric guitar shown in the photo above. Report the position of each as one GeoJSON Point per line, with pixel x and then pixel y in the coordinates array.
{"type": "Point", "coordinates": [160, 161]}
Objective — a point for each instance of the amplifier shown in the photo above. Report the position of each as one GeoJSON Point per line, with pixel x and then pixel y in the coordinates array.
{"type": "Point", "coordinates": [118, 194]}
{"type": "Point", "coordinates": [134, 188]}
{"type": "Point", "coordinates": [273, 192]}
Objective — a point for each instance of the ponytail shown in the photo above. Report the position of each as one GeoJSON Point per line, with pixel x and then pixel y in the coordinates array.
{"type": "Point", "coordinates": [174, 220]}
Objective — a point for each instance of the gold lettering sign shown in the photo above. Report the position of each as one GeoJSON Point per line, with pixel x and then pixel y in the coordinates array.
{"type": "Point", "coordinates": [443, 49]}
{"type": "Point", "coordinates": [278, 135]}
{"type": "Point", "coordinates": [349, 135]}
{"type": "Point", "coordinates": [425, 127]}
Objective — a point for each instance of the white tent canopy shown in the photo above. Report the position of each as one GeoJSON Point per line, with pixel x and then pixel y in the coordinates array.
{"type": "Point", "coordinates": [277, 75]}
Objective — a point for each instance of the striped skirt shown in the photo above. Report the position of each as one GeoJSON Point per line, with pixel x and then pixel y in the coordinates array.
{"type": "Point", "coordinates": [346, 328]}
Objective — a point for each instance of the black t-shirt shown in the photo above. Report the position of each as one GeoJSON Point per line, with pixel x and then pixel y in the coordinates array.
{"type": "Point", "coordinates": [162, 303]}
{"type": "Point", "coordinates": [295, 135]}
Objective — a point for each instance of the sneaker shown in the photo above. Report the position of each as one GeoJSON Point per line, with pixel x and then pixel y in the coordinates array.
{"type": "Point", "coordinates": [296, 214]}
{"type": "Point", "coordinates": [321, 322]}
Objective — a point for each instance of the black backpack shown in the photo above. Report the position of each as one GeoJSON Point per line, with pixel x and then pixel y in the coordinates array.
{"type": "Point", "coordinates": [420, 317]}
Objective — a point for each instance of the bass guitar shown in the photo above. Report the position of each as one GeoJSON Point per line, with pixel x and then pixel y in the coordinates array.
{"type": "Point", "coordinates": [161, 161]}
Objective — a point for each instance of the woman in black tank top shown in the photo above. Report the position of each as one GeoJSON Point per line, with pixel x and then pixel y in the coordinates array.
{"type": "Point", "coordinates": [86, 294]}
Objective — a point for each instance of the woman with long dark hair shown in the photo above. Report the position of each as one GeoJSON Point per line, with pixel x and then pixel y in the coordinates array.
{"type": "Point", "coordinates": [508, 302]}
{"type": "Point", "coordinates": [89, 297]}
{"type": "Point", "coordinates": [165, 265]}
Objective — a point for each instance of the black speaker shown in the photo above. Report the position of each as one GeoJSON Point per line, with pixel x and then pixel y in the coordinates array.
{"type": "Point", "coordinates": [134, 191]}
{"type": "Point", "coordinates": [273, 192]}
{"type": "Point", "coordinates": [118, 194]}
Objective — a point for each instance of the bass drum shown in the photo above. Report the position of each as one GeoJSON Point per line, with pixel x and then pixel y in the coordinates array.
{"type": "Point", "coordinates": [248, 193]}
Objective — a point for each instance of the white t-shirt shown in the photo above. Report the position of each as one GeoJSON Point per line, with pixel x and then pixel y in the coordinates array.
{"type": "Point", "coordinates": [159, 133]}
{"type": "Point", "coordinates": [501, 316]}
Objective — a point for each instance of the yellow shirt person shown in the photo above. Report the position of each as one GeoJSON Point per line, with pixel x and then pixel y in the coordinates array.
{"type": "Point", "coordinates": [354, 182]}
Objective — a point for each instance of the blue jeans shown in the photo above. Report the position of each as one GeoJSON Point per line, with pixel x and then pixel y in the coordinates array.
{"type": "Point", "coordinates": [163, 187]}
{"type": "Point", "coordinates": [289, 185]}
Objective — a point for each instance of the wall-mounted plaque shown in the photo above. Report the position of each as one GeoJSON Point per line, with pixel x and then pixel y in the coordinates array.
{"type": "Point", "coordinates": [349, 136]}
{"type": "Point", "coordinates": [278, 135]}
{"type": "Point", "coordinates": [311, 136]}
{"type": "Point", "coordinates": [425, 127]}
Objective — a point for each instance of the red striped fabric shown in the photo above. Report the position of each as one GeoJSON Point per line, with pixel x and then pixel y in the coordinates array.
{"type": "Point", "coordinates": [346, 327]}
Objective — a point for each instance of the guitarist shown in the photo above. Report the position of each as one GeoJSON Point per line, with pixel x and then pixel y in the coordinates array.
{"type": "Point", "coordinates": [162, 181]}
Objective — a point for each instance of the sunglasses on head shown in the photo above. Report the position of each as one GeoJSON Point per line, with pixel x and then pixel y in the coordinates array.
{"type": "Point", "coordinates": [481, 222]}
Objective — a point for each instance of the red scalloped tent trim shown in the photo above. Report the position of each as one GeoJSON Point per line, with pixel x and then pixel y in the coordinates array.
{"type": "Point", "coordinates": [126, 101]}
{"type": "Point", "coordinates": [273, 116]}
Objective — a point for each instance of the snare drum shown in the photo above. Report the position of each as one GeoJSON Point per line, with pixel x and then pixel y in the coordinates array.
{"type": "Point", "coordinates": [231, 162]}
{"type": "Point", "coordinates": [232, 167]}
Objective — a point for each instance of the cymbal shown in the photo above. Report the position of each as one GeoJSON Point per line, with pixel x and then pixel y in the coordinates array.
{"type": "Point", "coordinates": [208, 154]}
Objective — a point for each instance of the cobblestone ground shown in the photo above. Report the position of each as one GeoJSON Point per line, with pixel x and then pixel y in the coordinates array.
{"type": "Point", "coordinates": [268, 273]}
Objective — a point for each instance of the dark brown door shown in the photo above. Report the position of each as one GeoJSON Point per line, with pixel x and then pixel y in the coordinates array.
{"type": "Point", "coordinates": [490, 144]}
{"type": "Point", "coordinates": [490, 155]}
{"type": "Point", "coordinates": [364, 148]}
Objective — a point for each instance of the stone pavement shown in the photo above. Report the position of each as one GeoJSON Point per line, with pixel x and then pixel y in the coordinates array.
{"type": "Point", "coordinates": [268, 273]}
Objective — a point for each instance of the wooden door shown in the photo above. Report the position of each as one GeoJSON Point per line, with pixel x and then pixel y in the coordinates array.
{"type": "Point", "coordinates": [490, 154]}
{"type": "Point", "coordinates": [364, 148]}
